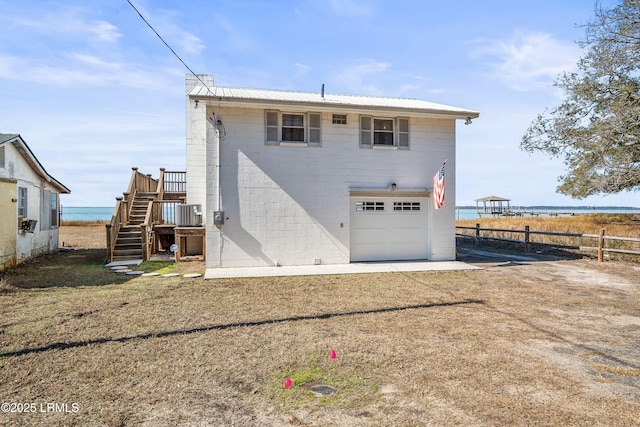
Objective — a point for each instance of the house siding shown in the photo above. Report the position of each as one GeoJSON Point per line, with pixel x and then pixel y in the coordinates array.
{"type": "Point", "coordinates": [25, 245]}
{"type": "Point", "coordinates": [8, 223]}
{"type": "Point", "coordinates": [290, 205]}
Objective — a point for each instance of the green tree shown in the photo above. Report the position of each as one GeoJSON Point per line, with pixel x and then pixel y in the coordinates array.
{"type": "Point", "coordinates": [596, 128]}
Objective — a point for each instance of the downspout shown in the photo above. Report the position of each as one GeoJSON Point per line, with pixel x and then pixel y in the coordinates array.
{"type": "Point", "coordinates": [218, 185]}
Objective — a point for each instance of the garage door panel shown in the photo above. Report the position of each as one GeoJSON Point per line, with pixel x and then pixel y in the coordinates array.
{"type": "Point", "coordinates": [396, 230]}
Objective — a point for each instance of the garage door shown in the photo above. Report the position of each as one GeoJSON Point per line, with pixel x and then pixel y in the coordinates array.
{"type": "Point", "coordinates": [389, 229]}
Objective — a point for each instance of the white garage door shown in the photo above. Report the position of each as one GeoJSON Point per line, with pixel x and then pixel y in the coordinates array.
{"type": "Point", "coordinates": [389, 229]}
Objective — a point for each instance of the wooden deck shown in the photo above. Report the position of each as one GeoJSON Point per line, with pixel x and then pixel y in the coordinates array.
{"type": "Point", "coordinates": [144, 220]}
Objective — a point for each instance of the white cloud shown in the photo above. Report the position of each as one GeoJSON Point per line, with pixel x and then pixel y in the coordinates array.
{"type": "Point", "coordinates": [72, 22]}
{"type": "Point", "coordinates": [528, 61]}
{"type": "Point", "coordinates": [81, 69]}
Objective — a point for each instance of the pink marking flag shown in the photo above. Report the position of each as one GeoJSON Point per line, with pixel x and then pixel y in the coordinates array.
{"type": "Point", "coordinates": [438, 187]}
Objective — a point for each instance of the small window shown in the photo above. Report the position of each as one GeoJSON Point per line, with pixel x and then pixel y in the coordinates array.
{"type": "Point", "coordinates": [54, 209]}
{"type": "Point", "coordinates": [339, 119]}
{"type": "Point", "coordinates": [2, 157]}
{"type": "Point", "coordinates": [22, 202]}
{"type": "Point", "coordinates": [406, 206]}
{"type": "Point", "coordinates": [369, 206]}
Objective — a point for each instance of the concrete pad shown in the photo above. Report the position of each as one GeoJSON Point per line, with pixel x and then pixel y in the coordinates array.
{"type": "Point", "coordinates": [354, 268]}
{"type": "Point", "coordinates": [192, 275]}
{"type": "Point", "coordinates": [150, 274]}
{"type": "Point", "coordinates": [135, 273]}
{"type": "Point", "coordinates": [126, 262]}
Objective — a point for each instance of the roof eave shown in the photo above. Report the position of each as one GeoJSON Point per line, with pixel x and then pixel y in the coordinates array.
{"type": "Point", "coordinates": [331, 106]}
{"type": "Point", "coordinates": [31, 159]}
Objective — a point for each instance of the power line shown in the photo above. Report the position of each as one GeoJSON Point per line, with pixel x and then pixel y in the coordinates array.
{"type": "Point", "coordinates": [169, 47]}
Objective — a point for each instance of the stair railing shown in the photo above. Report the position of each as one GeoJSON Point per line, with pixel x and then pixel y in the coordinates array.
{"type": "Point", "coordinates": [146, 232]}
{"type": "Point", "coordinates": [113, 228]}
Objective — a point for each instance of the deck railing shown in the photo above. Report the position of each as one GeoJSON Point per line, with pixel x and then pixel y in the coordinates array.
{"type": "Point", "coordinates": [175, 182]}
{"type": "Point", "coordinates": [164, 211]}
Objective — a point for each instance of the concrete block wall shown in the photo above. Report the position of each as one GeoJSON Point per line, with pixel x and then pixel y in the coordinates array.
{"type": "Point", "coordinates": [290, 205]}
{"type": "Point", "coordinates": [25, 245]}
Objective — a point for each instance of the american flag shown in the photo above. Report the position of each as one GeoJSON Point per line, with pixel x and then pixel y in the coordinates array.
{"type": "Point", "coordinates": [438, 188]}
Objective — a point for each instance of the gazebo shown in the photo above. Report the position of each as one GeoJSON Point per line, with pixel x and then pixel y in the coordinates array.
{"type": "Point", "coordinates": [493, 205]}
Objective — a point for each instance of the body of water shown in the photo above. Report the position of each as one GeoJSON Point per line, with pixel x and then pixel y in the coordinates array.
{"type": "Point", "coordinates": [86, 213]}
{"type": "Point", "coordinates": [470, 213]}
{"type": "Point", "coordinates": [105, 213]}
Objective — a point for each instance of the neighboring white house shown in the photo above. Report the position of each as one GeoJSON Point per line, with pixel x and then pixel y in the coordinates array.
{"type": "Point", "coordinates": [295, 178]}
{"type": "Point", "coordinates": [30, 203]}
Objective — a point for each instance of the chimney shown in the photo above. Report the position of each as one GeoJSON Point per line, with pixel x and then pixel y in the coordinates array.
{"type": "Point", "coordinates": [193, 80]}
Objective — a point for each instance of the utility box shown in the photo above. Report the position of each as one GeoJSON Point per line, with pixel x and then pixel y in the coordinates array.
{"type": "Point", "coordinates": [218, 218]}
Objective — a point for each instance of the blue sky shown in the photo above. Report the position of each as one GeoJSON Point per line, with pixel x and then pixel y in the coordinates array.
{"type": "Point", "coordinates": [93, 91]}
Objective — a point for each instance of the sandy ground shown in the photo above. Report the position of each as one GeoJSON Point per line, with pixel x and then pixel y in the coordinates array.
{"type": "Point", "coordinates": [83, 237]}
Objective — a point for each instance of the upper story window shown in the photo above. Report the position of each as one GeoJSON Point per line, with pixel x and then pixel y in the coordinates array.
{"type": "Point", "coordinates": [293, 128]}
{"type": "Point", "coordinates": [2, 157]}
{"type": "Point", "coordinates": [384, 132]}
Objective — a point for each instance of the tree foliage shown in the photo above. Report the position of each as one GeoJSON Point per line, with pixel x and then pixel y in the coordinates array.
{"type": "Point", "coordinates": [596, 128]}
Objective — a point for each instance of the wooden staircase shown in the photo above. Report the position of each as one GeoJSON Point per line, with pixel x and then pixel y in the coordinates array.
{"type": "Point", "coordinates": [129, 240]}
{"type": "Point", "coordinates": [146, 209]}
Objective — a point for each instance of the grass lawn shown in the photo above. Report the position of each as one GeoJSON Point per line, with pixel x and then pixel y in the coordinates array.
{"type": "Point", "coordinates": [547, 343]}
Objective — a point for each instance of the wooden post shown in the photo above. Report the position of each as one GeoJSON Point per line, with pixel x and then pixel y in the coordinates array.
{"type": "Point", "coordinates": [109, 248]}
{"type": "Point", "coordinates": [601, 246]}
{"type": "Point", "coordinates": [526, 239]}
{"type": "Point", "coordinates": [477, 239]}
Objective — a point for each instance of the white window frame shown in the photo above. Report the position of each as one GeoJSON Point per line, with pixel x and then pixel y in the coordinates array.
{"type": "Point", "coordinates": [339, 119]}
{"type": "Point", "coordinates": [400, 132]}
{"type": "Point", "coordinates": [23, 202]}
{"type": "Point", "coordinates": [312, 125]}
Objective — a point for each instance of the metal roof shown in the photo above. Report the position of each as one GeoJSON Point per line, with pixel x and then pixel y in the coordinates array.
{"type": "Point", "coordinates": [317, 99]}
{"type": "Point", "coordinates": [493, 198]}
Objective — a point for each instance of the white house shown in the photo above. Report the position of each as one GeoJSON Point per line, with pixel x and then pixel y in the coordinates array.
{"type": "Point", "coordinates": [30, 203]}
{"type": "Point", "coordinates": [296, 178]}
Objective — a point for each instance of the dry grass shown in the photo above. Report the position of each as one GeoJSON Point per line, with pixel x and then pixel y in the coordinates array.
{"type": "Point", "coordinates": [85, 236]}
{"type": "Point", "coordinates": [619, 225]}
{"type": "Point", "coordinates": [539, 344]}
{"type": "Point", "coordinates": [83, 223]}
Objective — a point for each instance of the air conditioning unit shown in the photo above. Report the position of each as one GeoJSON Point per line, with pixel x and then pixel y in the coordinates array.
{"type": "Point", "coordinates": [188, 215]}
